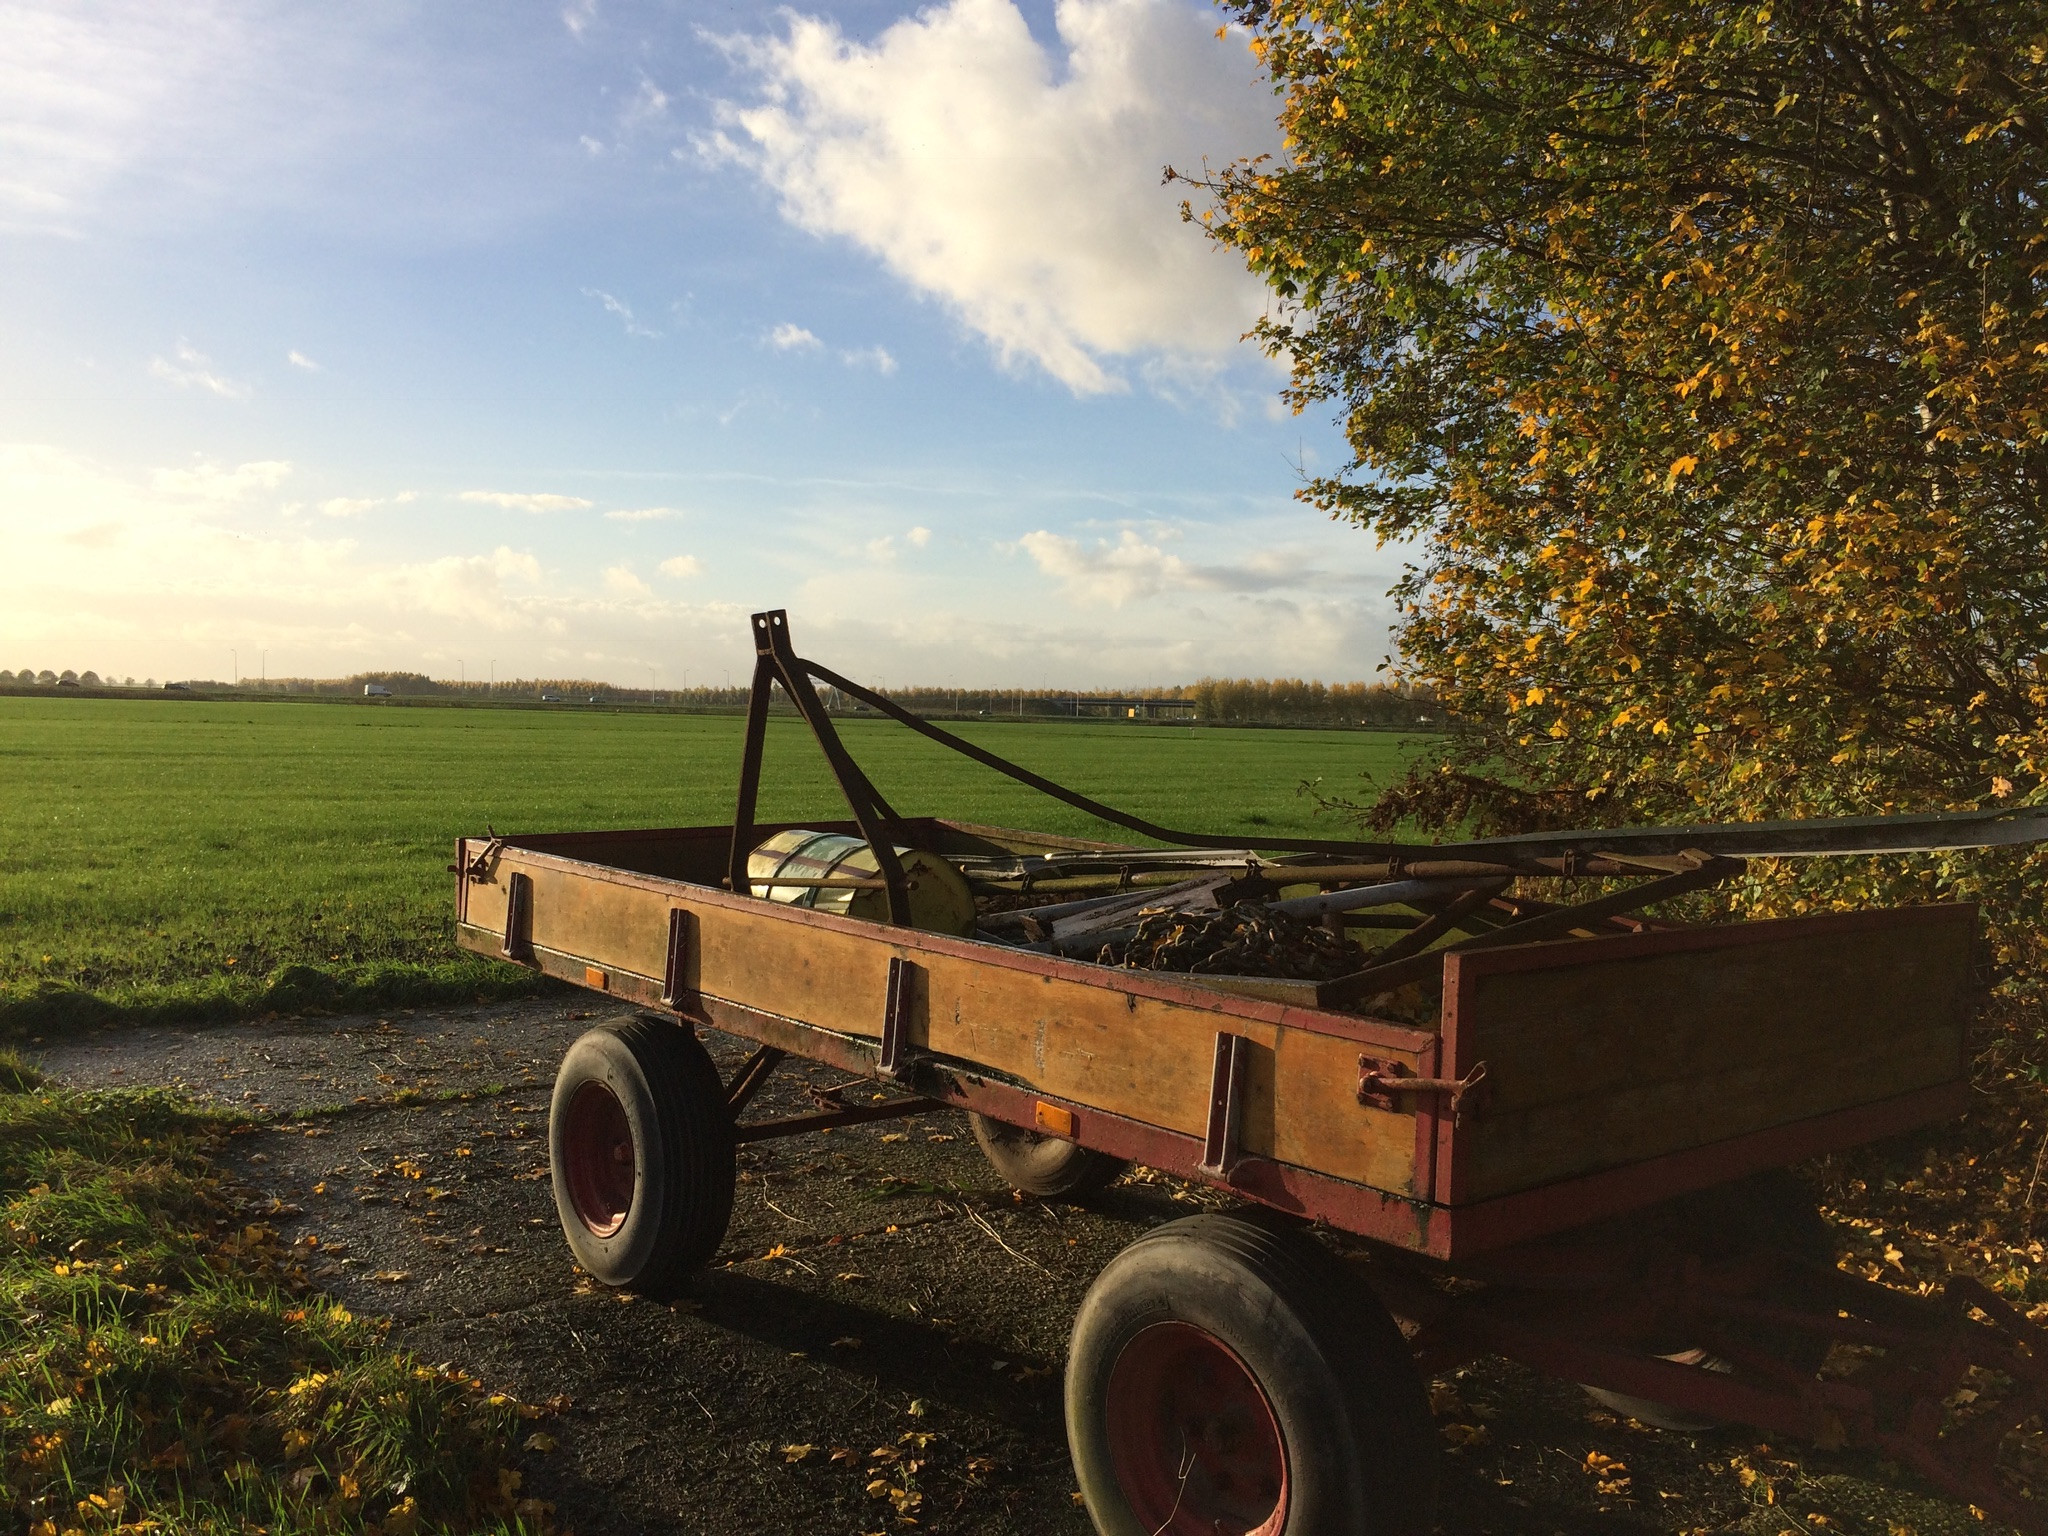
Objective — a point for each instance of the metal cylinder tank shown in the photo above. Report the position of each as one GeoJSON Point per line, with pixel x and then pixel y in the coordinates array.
{"type": "Point", "coordinates": [940, 901]}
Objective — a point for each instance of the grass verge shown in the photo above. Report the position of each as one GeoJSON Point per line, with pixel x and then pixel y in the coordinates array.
{"type": "Point", "coordinates": [164, 1365]}
{"type": "Point", "coordinates": [35, 1006]}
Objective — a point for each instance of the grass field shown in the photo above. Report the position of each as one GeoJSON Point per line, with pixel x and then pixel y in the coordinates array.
{"type": "Point", "coordinates": [189, 859]}
{"type": "Point", "coordinates": [165, 1367]}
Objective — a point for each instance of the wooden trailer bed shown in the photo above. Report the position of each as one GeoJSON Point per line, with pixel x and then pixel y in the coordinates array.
{"type": "Point", "coordinates": [1574, 1079]}
{"type": "Point", "coordinates": [1225, 1373]}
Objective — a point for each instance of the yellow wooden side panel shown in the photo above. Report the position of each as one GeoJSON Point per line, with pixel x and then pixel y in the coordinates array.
{"type": "Point", "coordinates": [1604, 1063]}
{"type": "Point", "coordinates": [1145, 1058]}
{"type": "Point", "coordinates": [1150, 1059]}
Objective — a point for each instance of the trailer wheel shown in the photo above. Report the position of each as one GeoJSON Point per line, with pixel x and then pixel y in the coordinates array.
{"type": "Point", "coordinates": [1769, 1212]}
{"type": "Point", "coordinates": [1043, 1165]}
{"type": "Point", "coordinates": [640, 1145]}
{"type": "Point", "coordinates": [1226, 1375]}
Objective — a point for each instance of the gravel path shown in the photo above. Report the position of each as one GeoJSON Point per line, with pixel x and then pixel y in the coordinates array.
{"type": "Point", "coordinates": [880, 1298]}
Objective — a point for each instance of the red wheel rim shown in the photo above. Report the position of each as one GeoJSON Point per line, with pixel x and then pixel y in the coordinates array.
{"type": "Point", "coordinates": [1193, 1438]}
{"type": "Point", "coordinates": [597, 1156]}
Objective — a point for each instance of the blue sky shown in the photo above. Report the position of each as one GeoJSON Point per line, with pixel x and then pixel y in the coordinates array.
{"type": "Point", "coordinates": [557, 338]}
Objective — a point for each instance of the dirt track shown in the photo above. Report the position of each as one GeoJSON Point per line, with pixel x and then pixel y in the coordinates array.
{"type": "Point", "coordinates": [880, 1298]}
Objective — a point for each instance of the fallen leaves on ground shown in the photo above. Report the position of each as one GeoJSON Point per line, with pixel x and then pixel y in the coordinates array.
{"type": "Point", "coordinates": [181, 1372]}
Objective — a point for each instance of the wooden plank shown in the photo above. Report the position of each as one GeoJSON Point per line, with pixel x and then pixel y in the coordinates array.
{"type": "Point", "coordinates": [1130, 1043]}
{"type": "Point", "coordinates": [1596, 1030]}
{"type": "Point", "coordinates": [1618, 1050]}
{"type": "Point", "coordinates": [1516, 1151]}
{"type": "Point", "coordinates": [1532, 1213]}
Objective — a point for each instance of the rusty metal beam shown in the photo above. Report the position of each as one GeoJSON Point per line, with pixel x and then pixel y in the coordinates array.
{"type": "Point", "coordinates": [1570, 851]}
{"type": "Point", "coordinates": [1553, 924]}
{"type": "Point", "coordinates": [831, 1119]}
{"type": "Point", "coordinates": [752, 1077]}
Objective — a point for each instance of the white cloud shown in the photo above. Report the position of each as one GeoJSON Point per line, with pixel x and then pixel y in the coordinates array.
{"type": "Point", "coordinates": [590, 146]}
{"type": "Point", "coordinates": [471, 588]}
{"type": "Point", "coordinates": [876, 357]}
{"type": "Point", "coordinates": [207, 481]}
{"type": "Point", "coordinates": [528, 501]}
{"type": "Point", "coordinates": [620, 580]}
{"type": "Point", "coordinates": [299, 359]}
{"type": "Point", "coordinates": [80, 93]}
{"type": "Point", "coordinates": [919, 537]}
{"type": "Point", "coordinates": [1021, 190]}
{"type": "Point", "coordinates": [356, 506]}
{"type": "Point", "coordinates": [622, 309]}
{"type": "Point", "coordinates": [160, 573]}
{"type": "Point", "coordinates": [149, 120]}
{"type": "Point", "coordinates": [648, 105]}
{"type": "Point", "coordinates": [790, 337]}
{"type": "Point", "coordinates": [578, 16]}
{"type": "Point", "coordinates": [1135, 567]}
{"type": "Point", "coordinates": [644, 514]}
{"type": "Point", "coordinates": [681, 566]}
{"type": "Point", "coordinates": [883, 548]}
{"type": "Point", "coordinates": [145, 564]}
{"type": "Point", "coordinates": [1108, 573]}
{"type": "Point", "coordinates": [194, 370]}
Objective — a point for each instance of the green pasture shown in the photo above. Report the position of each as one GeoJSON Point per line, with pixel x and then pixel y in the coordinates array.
{"type": "Point", "coordinates": [210, 858]}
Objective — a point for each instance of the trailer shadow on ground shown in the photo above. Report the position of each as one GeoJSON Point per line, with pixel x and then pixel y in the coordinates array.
{"type": "Point", "coordinates": [881, 1339]}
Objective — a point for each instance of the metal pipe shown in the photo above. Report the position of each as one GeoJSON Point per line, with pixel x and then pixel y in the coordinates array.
{"type": "Point", "coordinates": [1394, 893]}
{"type": "Point", "coordinates": [1018, 918]}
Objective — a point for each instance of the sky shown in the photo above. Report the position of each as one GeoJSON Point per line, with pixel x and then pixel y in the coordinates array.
{"type": "Point", "coordinates": [545, 339]}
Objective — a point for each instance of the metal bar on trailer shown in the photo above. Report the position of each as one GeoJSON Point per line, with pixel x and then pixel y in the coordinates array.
{"type": "Point", "coordinates": [752, 1077]}
{"type": "Point", "coordinates": [832, 1119]}
{"type": "Point", "coordinates": [677, 957]}
{"type": "Point", "coordinates": [1074, 798]}
{"type": "Point", "coordinates": [517, 944]}
{"type": "Point", "coordinates": [750, 773]}
{"type": "Point", "coordinates": [1438, 924]}
{"type": "Point", "coordinates": [1995, 827]}
{"type": "Point", "coordinates": [1546, 925]}
{"type": "Point", "coordinates": [1917, 833]}
{"type": "Point", "coordinates": [879, 825]}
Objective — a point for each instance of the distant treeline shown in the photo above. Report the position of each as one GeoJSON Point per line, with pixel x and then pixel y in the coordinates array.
{"type": "Point", "coordinates": [1278, 701]}
{"type": "Point", "coordinates": [30, 677]}
{"type": "Point", "coordinates": [1273, 701]}
{"type": "Point", "coordinates": [1294, 701]}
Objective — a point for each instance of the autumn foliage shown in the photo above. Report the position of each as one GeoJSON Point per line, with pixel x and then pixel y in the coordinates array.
{"type": "Point", "coordinates": [1699, 351]}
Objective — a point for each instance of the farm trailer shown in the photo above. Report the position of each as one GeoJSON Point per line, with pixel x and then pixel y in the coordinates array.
{"type": "Point", "coordinates": [1574, 1164]}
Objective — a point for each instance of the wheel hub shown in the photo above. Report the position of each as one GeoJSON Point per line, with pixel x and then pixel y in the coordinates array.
{"type": "Point", "coordinates": [597, 1156]}
{"type": "Point", "coordinates": [1193, 1438]}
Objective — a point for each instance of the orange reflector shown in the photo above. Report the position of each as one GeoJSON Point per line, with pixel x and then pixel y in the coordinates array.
{"type": "Point", "coordinates": [1052, 1118]}
{"type": "Point", "coordinates": [593, 977]}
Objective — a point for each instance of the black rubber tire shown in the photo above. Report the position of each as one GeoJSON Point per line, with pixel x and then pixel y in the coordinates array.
{"type": "Point", "coordinates": [1350, 1407]}
{"type": "Point", "coordinates": [682, 1153]}
{"type": "Point", "coordinates": [1043, 1165]}
{"type": "Point", "coordinates": [1770, 1212]}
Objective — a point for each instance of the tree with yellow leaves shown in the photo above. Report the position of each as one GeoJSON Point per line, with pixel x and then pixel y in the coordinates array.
{"type": "Point", "coordinates": [1699, 350]}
